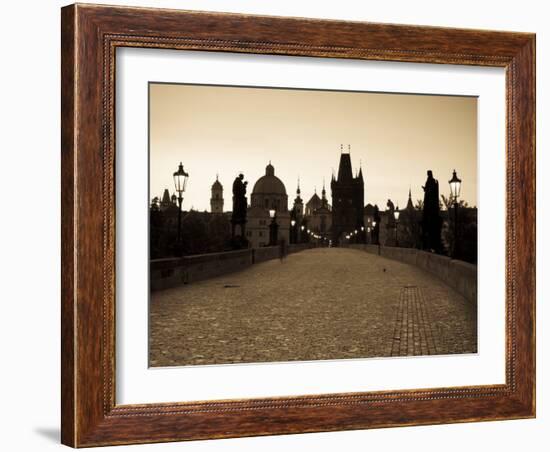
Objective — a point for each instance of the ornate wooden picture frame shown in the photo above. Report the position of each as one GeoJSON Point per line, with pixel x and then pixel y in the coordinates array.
{"type": "Point", "coordinates": [90, 37]}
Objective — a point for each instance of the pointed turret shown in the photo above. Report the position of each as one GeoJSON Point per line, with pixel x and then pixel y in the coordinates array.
{"type": "Point", "coordinates": [166, 197]}
{"type": "Point", "coordinates": [345, 173]}
{"type": "Point", "coordinates": [410, 205]}
{"type": "Point", "coordinates": [298, 203]}
{"type": "Point", "coordinates": [324, 201]}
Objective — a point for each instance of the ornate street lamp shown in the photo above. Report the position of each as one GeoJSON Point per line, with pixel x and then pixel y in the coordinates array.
{"type": "Point", "coordinates": [455, 183]}
{"type": "Point", "coordinates": [180, 182]}
{"type": "Point", "coordinates": [273, 227]}
{"type": "Point", "coordinates": [396, 216]}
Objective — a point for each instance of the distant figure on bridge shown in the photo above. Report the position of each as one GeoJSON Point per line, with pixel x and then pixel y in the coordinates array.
{"type": "Point", "coordinates": [282, 249]}
{"type": "Point", "coordinates": [238, 216]}
{"type": "Point", "coordinates": [431, 221]}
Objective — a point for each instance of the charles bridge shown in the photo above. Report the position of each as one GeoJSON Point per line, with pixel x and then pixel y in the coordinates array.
{"type": "Point", "coordinates": [317, 303]}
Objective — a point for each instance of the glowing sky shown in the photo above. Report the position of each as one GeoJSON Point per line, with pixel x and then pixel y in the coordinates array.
{"type": "Point", "coordinates": [225, 130]}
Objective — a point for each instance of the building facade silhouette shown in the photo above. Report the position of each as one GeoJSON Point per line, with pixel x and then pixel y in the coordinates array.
{"type": "Point", "coordinates": [269, 192]}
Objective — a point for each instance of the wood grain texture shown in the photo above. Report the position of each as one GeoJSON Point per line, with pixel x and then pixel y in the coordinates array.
{"type": "Point", "coordinates": [90, 36]}
{"type": "Point", "coordinates": [67, 226]}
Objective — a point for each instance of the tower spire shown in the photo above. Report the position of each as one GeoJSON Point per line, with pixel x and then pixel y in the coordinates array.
{"type": "Point", "coordinates": [410, 205]}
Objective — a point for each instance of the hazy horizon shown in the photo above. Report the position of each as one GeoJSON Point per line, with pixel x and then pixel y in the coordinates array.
{"type": "Point", "coordinates": [218, 130]}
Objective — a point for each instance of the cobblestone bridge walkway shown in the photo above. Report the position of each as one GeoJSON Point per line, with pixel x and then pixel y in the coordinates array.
{"type": "Point", "coordinates": [317, 304]}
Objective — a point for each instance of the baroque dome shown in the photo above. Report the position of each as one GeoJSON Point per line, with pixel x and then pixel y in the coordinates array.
{"type": "Point", "coordinates": [269, 184]}
{"type": "Point", "coordinates": [216, 185]}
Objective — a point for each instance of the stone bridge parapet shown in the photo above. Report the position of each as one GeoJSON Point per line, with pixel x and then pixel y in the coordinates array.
{"type": "Point", "coordinates": [171, 272]}
{"type": "Point", "coordinates": [459, 275]}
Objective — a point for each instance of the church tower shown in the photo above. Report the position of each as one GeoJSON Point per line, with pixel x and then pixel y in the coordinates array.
{"type": "Point", "coordinates": [298, 203]}
{"type": "Point", "coordinates": [324, 202]}
{"type": "Point", "coordinates": [348, 194]}
{"type": "Point", "coordinates": [216, 201]}
{"type": "Point", "coordinates": [410, 205]}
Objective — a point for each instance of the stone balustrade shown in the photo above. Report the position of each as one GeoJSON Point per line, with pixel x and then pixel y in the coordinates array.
{"type": "Point", "coordinates": [171, 272]}
{"type": "Point", "coordinates": [459, 275]}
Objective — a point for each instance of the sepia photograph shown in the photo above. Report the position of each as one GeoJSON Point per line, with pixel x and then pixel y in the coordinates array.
{"type": "Point", "coordinates": [301, 224]}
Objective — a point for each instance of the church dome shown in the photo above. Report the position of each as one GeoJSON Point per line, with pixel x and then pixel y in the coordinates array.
{"type": "Point", "coordinates": [216, 185]}
{"type": "Point", "coordinates": [269, 184]}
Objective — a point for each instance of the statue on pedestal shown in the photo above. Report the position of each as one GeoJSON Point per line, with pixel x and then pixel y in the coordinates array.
{"type": "Point", "coordinates": [431, 220]}
{"type": "Point", "coordinates": [238, 217]}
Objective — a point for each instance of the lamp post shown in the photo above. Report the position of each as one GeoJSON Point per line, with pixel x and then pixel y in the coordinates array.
{"type": "Point", "coordinates": [273, 227]}
{"type": "Point", "coordinates": [455, 184]}
{"type": "Point", "coordinates": [292, 231]}
{"type": "Point", "coordinates": [180, 182]}
{"type": "Point", "coordinates": [302, 234]}
{"type": "Point", "coordinates": [396, 216]}
{"type": "Point", "coordinates": [374, 233]}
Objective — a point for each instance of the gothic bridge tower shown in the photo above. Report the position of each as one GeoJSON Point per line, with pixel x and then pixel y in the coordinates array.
{"type": "Point", "coordinates": [348, 194]}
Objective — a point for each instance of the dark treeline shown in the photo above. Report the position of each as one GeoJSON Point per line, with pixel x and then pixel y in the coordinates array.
{"type": "Point", "coordinates": [201, 232]}
{"type": "Point", "coordinates": [410, 230]}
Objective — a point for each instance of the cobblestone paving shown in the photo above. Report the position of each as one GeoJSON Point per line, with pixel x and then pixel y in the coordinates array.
{"type": "Point", "coordinates": [413, 333]}
{"type": "Point", "coordinates": [317, 304]}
